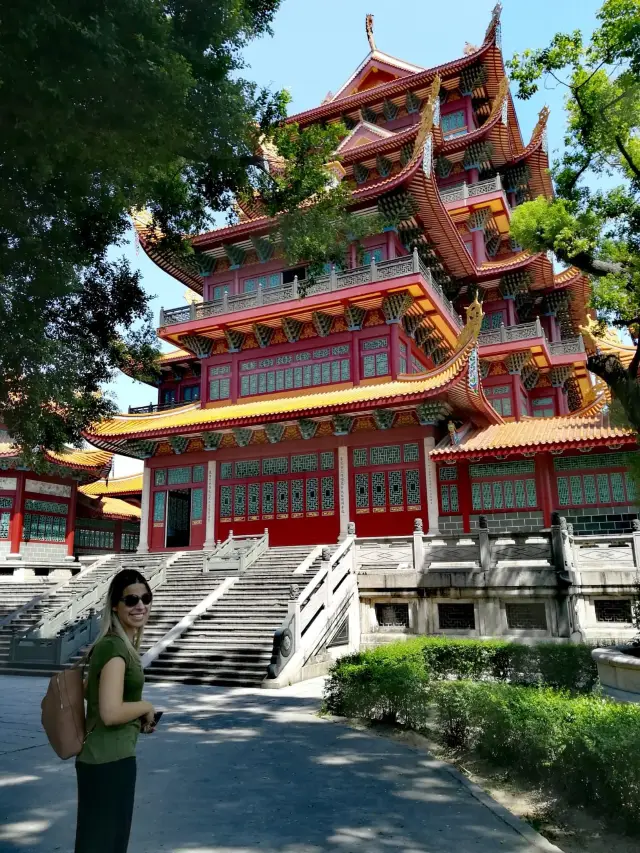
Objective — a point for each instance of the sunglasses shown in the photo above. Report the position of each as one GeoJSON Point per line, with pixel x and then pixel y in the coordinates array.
{"type": "Point", "coordinates": [132, 600]}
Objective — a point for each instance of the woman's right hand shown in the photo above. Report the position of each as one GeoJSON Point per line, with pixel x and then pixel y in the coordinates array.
{"type": "Point", "coordinates": [147, 719]}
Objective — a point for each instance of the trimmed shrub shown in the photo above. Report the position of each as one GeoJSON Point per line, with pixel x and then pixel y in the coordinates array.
{"type": "Point", "coordinates": [584, 747]}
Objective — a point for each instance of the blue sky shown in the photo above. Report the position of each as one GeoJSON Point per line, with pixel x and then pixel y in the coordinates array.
{"type": "Point", "coordinates": [316, 46]}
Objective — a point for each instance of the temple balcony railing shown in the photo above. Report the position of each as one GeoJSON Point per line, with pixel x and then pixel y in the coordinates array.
{"type": "Point", "coordinates": [570, 346]}
{"type": "Point", "coordinates": [157, 407]}
{"type": "Point", "coordinates": [531, 331]}
{"type": "Point", "coordinates": [467, 191]}
{"type": "Point", "coordinates": [332, 283]}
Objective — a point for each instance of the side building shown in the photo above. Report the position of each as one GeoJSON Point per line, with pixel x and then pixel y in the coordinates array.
{"type": "Point", "coordinates": [300, 404]}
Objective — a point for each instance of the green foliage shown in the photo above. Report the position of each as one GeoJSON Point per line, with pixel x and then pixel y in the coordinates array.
{"type": "Point", "coordinates": [361, 683]}
{"type": "Point", "coordinates": [389, 688]}
{"type": "Point", "coordinates": [585, 748]}
{"type": "Point", "coordinates": [596, 230]}
{"type": "Point", "coordinates": [105, 108]}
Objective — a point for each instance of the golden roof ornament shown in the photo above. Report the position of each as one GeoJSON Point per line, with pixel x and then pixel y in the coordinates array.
{"type": "Point", "coordinates": [472, 327]}
{"type": "Point", "coordinates": [426, 122]}
{"type": "Point", "coordinates": [369, 29]}
{"type": "Point", "coordinates": [595, 333]}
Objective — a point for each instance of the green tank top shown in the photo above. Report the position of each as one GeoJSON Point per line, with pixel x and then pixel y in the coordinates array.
{"type": "Point", "coordinates": [111, 743]}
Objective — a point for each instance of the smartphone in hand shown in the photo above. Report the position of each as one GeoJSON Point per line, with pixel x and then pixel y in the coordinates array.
{"type": "Point", "coordinates": [157, 717]}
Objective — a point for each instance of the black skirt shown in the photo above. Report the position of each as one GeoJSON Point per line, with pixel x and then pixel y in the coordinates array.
{"type": "Point", "coordinates": [105, 806]}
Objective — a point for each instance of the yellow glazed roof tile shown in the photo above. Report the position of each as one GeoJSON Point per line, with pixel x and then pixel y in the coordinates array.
{"type": "Point", "coordinates": [257, 410]}
{"type": "Point", "coordinates": [537, 433]}
{"type": "Point", "coordinates": [117, 486]}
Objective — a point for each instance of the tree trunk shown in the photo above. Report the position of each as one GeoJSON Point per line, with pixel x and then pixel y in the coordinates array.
{"type": "Point", "coordinates": [624, 386]}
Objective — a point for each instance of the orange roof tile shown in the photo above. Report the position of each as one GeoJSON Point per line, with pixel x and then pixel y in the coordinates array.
{"type": "Point", "coordinates": [536, 434]}
{"type": "Point", "coordinates": [118, 486]}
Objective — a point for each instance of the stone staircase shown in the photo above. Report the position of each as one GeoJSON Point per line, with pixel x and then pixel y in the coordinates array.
{"type": "Point", "coordinates": [77, 586]}
{"type": "Point", "coordinates": [231, 644]}
{"type": "Point", "coordinates": [185, 586]}
{"type": "Point", "coordinates": [15, 594]}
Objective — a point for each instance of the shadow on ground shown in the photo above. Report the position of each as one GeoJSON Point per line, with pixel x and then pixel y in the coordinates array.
{"type": "Point", "coordinates": [249, 771]}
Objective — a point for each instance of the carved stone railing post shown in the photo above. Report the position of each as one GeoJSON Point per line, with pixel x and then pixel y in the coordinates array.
{"type": "Point", "coordinates": [416, 259]}
{"type": "Point", "coordinates": [485, 545]}
{"type": "Point", "coordinates": [294, 293]}
{"type": "Point", "coordinates": [333, 278]}
{"type": "Point", "coordinates": [326, 565]}
{"type": "Point", "coordinates": [418, 545]}
{"type": "Point", "coordinates": [635, 526]}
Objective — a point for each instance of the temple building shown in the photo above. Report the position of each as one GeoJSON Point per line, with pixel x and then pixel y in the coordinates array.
{"type": "Point", "coordinates": [440, 374]}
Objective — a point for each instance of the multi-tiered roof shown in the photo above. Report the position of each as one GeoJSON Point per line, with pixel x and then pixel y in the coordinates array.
{"type": "Point", "coordinates": [448, 182]}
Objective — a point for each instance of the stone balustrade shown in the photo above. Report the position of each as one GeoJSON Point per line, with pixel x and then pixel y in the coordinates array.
{"type": "Point", "coordinates": [336, 281]}
{"type": "Point", "coordinates": [466, 191]}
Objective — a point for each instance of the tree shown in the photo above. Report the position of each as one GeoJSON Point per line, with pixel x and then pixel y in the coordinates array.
{"type": "Point", "coordinates": [107, 107]}
{"type": "Point", "coordinates": [595, 229]}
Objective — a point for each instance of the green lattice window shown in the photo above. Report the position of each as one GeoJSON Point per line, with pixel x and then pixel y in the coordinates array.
{"type": "Point", "coordinates": [362, 490]}
{"type": "Point", "coordinates": [450, 472]}
{"type": "Point", "coordinates": [45, 528]}
{"type": "Point", "coordinates": [327, 461]}
{"type": "Point", "coordinates": [6, 503]}
{"type": "Point", "coordinates": [328, 490]}
{"type": "Point", "coordinates": [590, 489]}
{"type": "Point", "coordinates": [360, 458]}
{"type": "Point", "coordinates": [598, 460]}
{"type": "Point", "coordinates": [247, 469]}
{"type": "Point", "coordinates": [411, 453]}
{"type": "Point", "coordinates": [160, 477]}
{"type": "Point", "coordinates": [412, 482]}
{"type": "Point", "coordinates": [47, 506]}
{"type": "Point", "coordinates": [95, 539]}
{"type": "Point", "coordinates": [253, 495]}
{"type": "Point", "coordinates": [268, 500]}
{"type": "Point", "coordinates": [179, 476]}
{"type": "Point", "coordinates": [130, 541]}
{"type": "Point", "coordinates": [297, 496]}
{"type": "Point", "coordinates": [501, 469]}
{"type": "Point", "coordinates": [278, 465]}
{"type": "Point", "coordinates": [476, 497]}
{"type": "Point", "coordinates": [396, 495]}
{"type": "Point", "coordinates": [159, 502]}
{"type": "Point", "coordinates": [282, 496]}
{"type": "Point", "coordinates": [239, 502]}
{"type": "Point", "coordinates": [500, 495]}
{"type": "Point", "coordinates": [219, 389]}
{"type": "Point", "coordinates": [378, 490]}
{"type": "Point", "coordinates": [389, 455]}
{"type": "Point", "coordinates": [225, 502]}
{"type": "Point", "coordinates": [304, 463]}
{"type": "Point", "coordinates": [448, 499]}
{"type": "Point", "coordinates": [5, 518]}
{"type": "Point", "coordinates": [226, 470]}
{"type": "Point", "coordinates": [498, 501]}
{"type": "Point", "coordinates": [375, 344]}
{"type": "Point", "coordinates": [197, 502]}
{"type": "Point", "coordinates": [198, 473]}
{"type": "Point", "coordinates": [312, 494]}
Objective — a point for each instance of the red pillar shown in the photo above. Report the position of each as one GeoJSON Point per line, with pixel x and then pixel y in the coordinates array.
{"type": "Point", "coordinates": [545, 486]}
{"type": "Point", "coordinates": [355, 358]}
{"type": "Point", "coordinates": [394, 331]}
{"type": "Point", "coordinates": [479, 250]}
{"type": "Point", "coordinates": [464, 495]}
{"type": "Point", "coordinates": [71, 521]}
{"type": "Point", "coordinates": [18, 514]}
{"type": "Point", "coordinates": [117, 537]}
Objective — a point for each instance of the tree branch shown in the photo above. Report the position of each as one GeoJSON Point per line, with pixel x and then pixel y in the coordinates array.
{"type": "Point", "coordinates": [635, 362]}
{"type": "Point", "coordinates": [592, 266]}
{"type": "Point", "coordinates": [635, 169]}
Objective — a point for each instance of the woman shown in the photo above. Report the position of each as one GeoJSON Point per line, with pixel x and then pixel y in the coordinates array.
{"type": "Point", "coordinates": [106, 767]}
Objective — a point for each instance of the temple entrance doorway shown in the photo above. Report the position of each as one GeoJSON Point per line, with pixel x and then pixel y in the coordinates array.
{"type": "Point", "coordinates": [179, 518]}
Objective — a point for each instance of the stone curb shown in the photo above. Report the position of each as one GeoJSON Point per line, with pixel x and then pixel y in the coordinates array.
{"type": "Point", "coordinates": [539, 842]}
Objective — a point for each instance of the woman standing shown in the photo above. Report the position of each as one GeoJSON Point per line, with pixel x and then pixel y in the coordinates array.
{"type": "Point", "coordinates": [106, 767]}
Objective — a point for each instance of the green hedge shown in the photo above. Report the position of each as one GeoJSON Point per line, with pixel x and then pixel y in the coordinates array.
{"type": "Point", "coordinates": [586, 748]}
{"type": "Point", "coordinates": [358, 684]}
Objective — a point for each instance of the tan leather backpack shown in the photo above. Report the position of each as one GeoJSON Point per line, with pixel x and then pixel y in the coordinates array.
{"type": "Point", "coordinates": [63, 716]}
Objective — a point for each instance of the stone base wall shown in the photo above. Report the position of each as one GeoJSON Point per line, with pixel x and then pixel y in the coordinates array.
{"type": "Point", "coordinates": [597, 520]}
{"type": "Point", "coordinates": [498, 522]}
{"type": "Point", "coordinates": [43, 552]}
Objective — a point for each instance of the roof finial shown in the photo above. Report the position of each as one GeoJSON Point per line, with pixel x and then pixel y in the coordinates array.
{"type": "Point", "coordinates": [369, 26]}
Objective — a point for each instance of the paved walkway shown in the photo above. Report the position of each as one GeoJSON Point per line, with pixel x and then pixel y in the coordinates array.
{"type": "Point", "coordinates": [242, 771]}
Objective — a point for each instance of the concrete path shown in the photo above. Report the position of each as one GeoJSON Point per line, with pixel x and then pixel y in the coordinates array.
{"type": "Point", "coordinates": [242, 771]}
